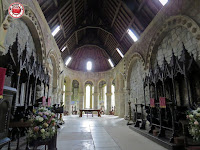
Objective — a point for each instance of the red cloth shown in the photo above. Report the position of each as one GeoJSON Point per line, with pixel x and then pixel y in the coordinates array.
{"type": "Point", "coordinates": [162, 101]}
{"type": "Point", "coordinates": [2, 80]}
{"type": "Point", "coordinates": [152, 102]}
{"type": "Point", "coordinates": [44, 101]}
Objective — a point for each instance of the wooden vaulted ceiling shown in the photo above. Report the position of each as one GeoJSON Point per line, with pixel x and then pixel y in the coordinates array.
{"type": "Point", "coordinates": [97, 23]}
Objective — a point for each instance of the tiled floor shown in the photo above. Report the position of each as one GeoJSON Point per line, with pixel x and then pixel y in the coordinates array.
{"type": "Point", "coordinates": [105, 133]}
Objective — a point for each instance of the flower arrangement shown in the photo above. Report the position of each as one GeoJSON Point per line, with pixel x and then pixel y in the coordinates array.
{"type": "Point", "coordinates": [43, 124]}
{"type": "Point", "coordinates": [194, 123]}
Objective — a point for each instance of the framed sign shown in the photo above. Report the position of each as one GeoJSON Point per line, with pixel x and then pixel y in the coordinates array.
{"type": "Point", "coordinates": [152, 102]}
{"type": "Point", "coordinates": [43, 101]}
{"type": "Point", "coordinates": [162, 101]}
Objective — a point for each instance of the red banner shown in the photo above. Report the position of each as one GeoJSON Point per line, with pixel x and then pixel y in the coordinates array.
{"type": "Point", "coordinates": [44, 101]}
{"type": "Point", "coordinates": [2, 80]}
{"type": "Point", "coordinates": [49, 101]}
{"type": "Point", "coordinates": [162, 101]}
{"type": "Point", "coordinates": [152, 102]}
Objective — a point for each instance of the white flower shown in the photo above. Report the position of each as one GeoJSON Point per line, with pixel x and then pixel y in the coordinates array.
{"type": "Point", "coordinates": [42, 130]}
{"type": "Point", "coordinates": [195, 112]}
{"type": "Point", "coordinates": [198, 114]}
{"type": "Point", "coordinates": [190, 116]}
{"type": "Point", "coordinates": [40, 119]}
{"type": "Point", "coordinates": [37, 117]}
{"type": "Point", "coordinates": [198, 109]}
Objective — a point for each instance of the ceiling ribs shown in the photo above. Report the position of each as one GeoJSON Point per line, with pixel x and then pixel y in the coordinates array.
{"type": "Point", "coordinates": [74, 17]}
{"type": "Point", "coordinates": [125, 32]}
{"type": "Point", "coordinates": [96, 27]}
{"type": "Point", "coordinates": [56, 11]}
{"type": "Point", "coordinates": [141, 5]}
{"type": "Point", "coordinates": [116, 13]}
{"type": "Point", "coordinates": [62, 26]}
{"type": "Point", "coordinates": [106, 39]}
{"type": "Point", "coordinates": [55, 3]}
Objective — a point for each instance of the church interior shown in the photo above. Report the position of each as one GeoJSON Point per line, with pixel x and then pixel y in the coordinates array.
{"type": "Point", "coordinates": [100, 74]}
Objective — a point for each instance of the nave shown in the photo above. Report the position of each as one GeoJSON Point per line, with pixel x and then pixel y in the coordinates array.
{"type": "Point", "coordinates": [105, 133]}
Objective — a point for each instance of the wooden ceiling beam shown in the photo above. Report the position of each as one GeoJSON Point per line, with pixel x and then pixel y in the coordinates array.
{"type": "Point", "coordinates": [56, 11]}
{"type": "Point", "coordinates": [106, 39]}
{"type": "Point", "coordinates": [125, 32]}
{"type": "Point", "coordinates": [85, 7]}
{"type": "Point", "coordinates": [116, 13]}
{"type": "Point", "coordinates": [62, 26]}
{"type": "Point", "coordinates": [55, 3]}
{"type": "Point", "coordinates": [76, 36]}
{"type": "Point", "coordinates": [74, 12]}
{"type": "Point", "coordinates": [83, 28]}
{"type": "Point", "coordinates": [74, 18]}
{"type": "Point", "coordinates": [141, 5]}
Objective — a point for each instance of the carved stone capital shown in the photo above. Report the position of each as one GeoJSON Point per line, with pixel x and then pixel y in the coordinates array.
{"type": "Point", "coordinates": [108, 94]}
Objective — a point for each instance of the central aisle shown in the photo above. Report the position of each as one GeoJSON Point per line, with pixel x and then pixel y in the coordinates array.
{"type": "Point", "coordinates": [105, 133]}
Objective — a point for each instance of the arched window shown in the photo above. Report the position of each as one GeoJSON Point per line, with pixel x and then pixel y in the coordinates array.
{"type": "Point", "coordinates": [87, 96]}
{"type": "Point", "coordinates": [64, 93]}
{"type": "Point", "coordinates": [113, 96]}
{"type": "Point", "coordinates": [89, 65]}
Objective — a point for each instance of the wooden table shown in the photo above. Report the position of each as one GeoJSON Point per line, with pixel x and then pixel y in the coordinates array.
{"type": "Point", "coordinates": [89, 110]}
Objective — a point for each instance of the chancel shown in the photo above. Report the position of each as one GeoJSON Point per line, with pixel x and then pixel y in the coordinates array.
{"type": "Point", "coordinates": [100, 74]}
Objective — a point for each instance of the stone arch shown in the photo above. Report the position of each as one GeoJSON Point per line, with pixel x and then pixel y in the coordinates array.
{"type": "Point", "coordinates": [91, 80]}
{"type": "Point", "coordinates": [171, 23]}
{"type": "Point", "coordinates": [102, 79]}
{"type": "Point", "coordinates": [134, 57]}
{"type": "Point", "coordinates": [30, 19]}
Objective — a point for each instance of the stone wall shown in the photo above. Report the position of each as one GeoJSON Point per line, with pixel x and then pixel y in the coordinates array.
{"type": "Point", "coordinates": [173, 40]}
{"type": "Point", "coordinates": [24, 36]}
{"type": "Point", "coordinates": [136, 83]}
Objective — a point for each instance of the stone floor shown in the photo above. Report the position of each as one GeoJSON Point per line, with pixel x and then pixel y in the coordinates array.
{"type": "Point", "coordinates": [105, 133]}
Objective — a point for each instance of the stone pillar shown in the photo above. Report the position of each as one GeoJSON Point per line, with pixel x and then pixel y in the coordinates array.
{"type": "Point", "coordinates": [127, 98]}
{"type": "Point", "coordinates": [117, 98]}
{"type": "Point", "coordinates": [108, 103]}
{"type": "Point", "coordinates": [96, 96]}
{"type": "Point", "coordinates": [68, 101]}
{"type": "Point", "coordinates": [81, 99]}
{"type": "Point", "coordinates": [81, 95]}
{"type": "Point", "coordinates": [122, 104]}
{"type": "Point", "coordinates": [108, 96]}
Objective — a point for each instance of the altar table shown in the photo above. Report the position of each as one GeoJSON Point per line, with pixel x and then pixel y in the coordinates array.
{"type": "Point", "coordinates": [89, 110]}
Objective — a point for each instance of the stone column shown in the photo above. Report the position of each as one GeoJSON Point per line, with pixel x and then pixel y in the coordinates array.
{"type": "Point", "coordinates": [127, 98]}
{"type": "Point", "coordinates": [81, 99]}
{"type": "Point", "coordinates": [108, 96]}
{"type": "Point", "coordinates": [96, 95]}
{"type": "Point", "coordinates": [81, 95]}
{"type": "Point", "coordinates": [122, 104]}
{"type": "Point", "coordinates": [117, 103]}
{"type": "Point", "coordinates": [108, 103]}
{"type": "Point", "coordinates": [68, 101]}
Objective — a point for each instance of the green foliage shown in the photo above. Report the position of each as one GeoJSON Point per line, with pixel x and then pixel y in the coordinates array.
{"type": "Point", "coordinates": [194, 126]}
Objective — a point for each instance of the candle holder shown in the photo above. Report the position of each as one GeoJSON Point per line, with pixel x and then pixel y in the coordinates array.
{"type": "Point", "coordinates": [130, 121]}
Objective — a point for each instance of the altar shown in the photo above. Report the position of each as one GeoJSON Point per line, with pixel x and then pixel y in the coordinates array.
{"type": "Point", "coordinates": [88, 111]}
